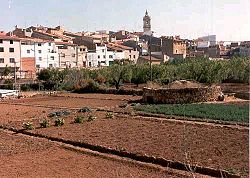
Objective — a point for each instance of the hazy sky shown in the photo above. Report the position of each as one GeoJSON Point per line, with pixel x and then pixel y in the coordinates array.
{"type": "Point", "coordinates": [228, 19]}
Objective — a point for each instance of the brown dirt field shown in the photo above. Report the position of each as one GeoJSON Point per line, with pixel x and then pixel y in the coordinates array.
{"type": "Point", "coordinates": [69, 102]}
{"type": "Point", "coordinates": [23, 156]}
{"type": "Point", "coordinates": [20, 113]}
{"type": "Point", "coordinates": [208, 145]}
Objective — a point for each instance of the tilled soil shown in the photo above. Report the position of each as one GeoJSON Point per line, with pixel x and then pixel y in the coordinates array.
{"type": "Point", "coordinates": [205, 145]}
{"type": "Point", "coordinates": [202, 144]}
{"type": "Point", "coordinates": [10, 113]}
{"type": "Point", "coordinates": [23, 156]}
{"type": "Point", "coordinates": [69, 102]}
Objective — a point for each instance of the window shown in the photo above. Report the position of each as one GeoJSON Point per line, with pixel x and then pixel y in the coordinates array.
{"type": "Point", "coordinates": [50, 65]}
{"type": "Point", "coordinates": [52, 57]}
{"type": "Point", "coordinates": [11, 50]}
{"type": "Point", "coordinates": [1, 49]}
{"type": "Point", "coordinates": [37, 66]}
{"type": "Point", "coordinates": [49, 44]}
{"type": "Point", "coordinates": [130, 50]}
{"type": "Point", "coordinates": [62, 55]}
{"type": "Point", "coordinates": [40, 51]}
{"type": "Point", "coordinates": [1, 60]}
{"type": "Point", "coordinates": [110, 56]}
{"type": "Point", "coordinates": [98, 56]}
{"type": "Point", "coordinates": [11, 41]}
{"type": "Point", "coordinates": [104, 57]}
{"type": "Point", "coordinates": [28, 51]}
{"type": "Point", "coordinates": [12, 60]}
{"type": "Point", "coordinates": [49, 50]}
{"type": "Point", "coordinates": [73, 55]}
{"type": "Point", "coordinates": [39, 44]}
{"type": "Point", "coordinates": [40, 58]}
{"type": "Point", "coordinates": [103, 50]}
{"type": "Point", "coordinates": [129, 56]}
{"type": "Point", "coordinates": [1, 41]}
{"type": "Point", "coordinates": [134, 56]}
{"type": "Point", "coordinates": [176, 51]}
{"type": "Point", "coordinates": [89, 64]}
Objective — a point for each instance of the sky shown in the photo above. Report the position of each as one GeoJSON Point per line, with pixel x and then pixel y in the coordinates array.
{"type": "Point", "coordinates": [229, 20]}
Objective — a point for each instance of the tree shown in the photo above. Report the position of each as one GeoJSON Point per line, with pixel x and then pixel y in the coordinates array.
{"type": "Point", "coordinates": [120, 73]}
{"type": "Point", "coordinates": [140, 74]}
{"type": "Point", "coordinates": [6, 71]}
{"type": "Point", "coordinates": [44, 75]}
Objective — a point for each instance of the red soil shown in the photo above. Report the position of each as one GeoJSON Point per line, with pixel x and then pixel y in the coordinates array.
{"type": "Point", "coordinates": [23, 156]}
{"type": "Point", "coordinates": [208, 145]}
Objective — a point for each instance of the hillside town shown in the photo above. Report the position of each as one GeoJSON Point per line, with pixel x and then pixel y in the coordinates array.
{"type": "Point", "coordinates": [28, 50]}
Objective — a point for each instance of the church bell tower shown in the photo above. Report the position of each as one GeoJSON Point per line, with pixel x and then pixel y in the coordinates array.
{"type": "Point", "coordinates": [147, 24]}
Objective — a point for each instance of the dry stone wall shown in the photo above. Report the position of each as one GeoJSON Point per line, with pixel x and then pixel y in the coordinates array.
{"type": "Point", "coordinates": [182, 95]}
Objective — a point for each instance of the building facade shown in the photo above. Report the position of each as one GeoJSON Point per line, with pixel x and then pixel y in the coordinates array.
{"type": "Point", "coordinates": [174, 47]}
{"type": "Point", "coordinates": [100, 57]}
{"type": "Point", "coordinates": [10, 52]}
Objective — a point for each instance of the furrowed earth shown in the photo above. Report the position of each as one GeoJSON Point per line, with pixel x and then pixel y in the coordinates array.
{"type": "Point", "coordinates": [26, 154]}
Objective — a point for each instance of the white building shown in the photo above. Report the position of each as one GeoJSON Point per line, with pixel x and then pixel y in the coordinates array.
{"type": "Point", "coordinates": [100, 57]}
{"type": "Point", "coordinates": [9, 52]}
{"type": "Point", "coordinates": [206, 41]}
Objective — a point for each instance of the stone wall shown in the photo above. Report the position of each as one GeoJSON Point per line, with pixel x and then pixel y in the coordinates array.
{"type": "Point", "coordinates": [182, 95]}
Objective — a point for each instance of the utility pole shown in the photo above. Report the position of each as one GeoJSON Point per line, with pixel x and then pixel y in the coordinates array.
{"type": "Point", "coordinates": [150, 59]}
{"type": "Point", "coordinates": [77, 55]}
{"type": "Point", "coordinates": [15, 75]}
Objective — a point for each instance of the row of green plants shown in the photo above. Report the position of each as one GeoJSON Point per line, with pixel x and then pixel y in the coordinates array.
{"type": "Point", "coordinates": [223, 112]}
{"type": "Point", "coordinates": [45, 123]}
{"type": "Point", "coordinates": [201, 70]}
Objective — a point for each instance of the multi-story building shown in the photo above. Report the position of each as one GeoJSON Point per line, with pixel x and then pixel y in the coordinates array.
{"type": "Point", "coordinates": [71, 55]}
{"type": "Point", "coordinates": [44, 52]}
{"type": "Point", "coordinates": [100, 57]}
{"type": "Point", "coordinates": [10, 53]}
{"type": "Point", "coordinates": [124, 52]}
{"type": "Point", "coordinates": [173, 47]}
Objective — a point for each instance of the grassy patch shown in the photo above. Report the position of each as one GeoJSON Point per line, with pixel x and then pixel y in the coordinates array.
{"type": "Point", "coordinates": [210, 111]}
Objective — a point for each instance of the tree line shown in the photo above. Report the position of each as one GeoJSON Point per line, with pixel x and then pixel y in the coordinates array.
{"type": "Point", "coordinates": [203, 70]}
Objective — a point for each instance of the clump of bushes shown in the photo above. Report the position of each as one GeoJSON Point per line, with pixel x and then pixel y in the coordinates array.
{"type": "Point", "coordinates": [109, 115]}
{"type": "Point", "coordinates": [45, 123]}
{"type": "Point", "coordinates": [79, 119]}
{"type": "Point", "coordinates": [28, 126]}
{"type": "Point", "coordinates": [59, 113]}
{"type": "Point", "coordinates": [87, 86]}
{"type": "Point", "coordinates": [85, 109]}
{"type": "Point", "coordinates": [59, 122]}
{"type": "Point", "coordinates": [91, 118]}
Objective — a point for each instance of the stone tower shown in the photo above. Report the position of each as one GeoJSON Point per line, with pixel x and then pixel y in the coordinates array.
{"type": "Point", "coordinates": [147, 24]}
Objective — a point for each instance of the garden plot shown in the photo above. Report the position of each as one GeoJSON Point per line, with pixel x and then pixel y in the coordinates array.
{"type": "Point", "coordinates": [23, 156]}
{"type": "Point", "coordinates": [69, 102]}
{"type": "Point", "coordinates": [205, 145]}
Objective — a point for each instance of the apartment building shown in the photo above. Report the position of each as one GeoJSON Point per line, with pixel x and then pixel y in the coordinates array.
{"type": "Point", "coordinates": [10, 52]}
{"type": "Point", "coordinates": [124, 52]}
{"type": "Point", "coordinates": [71, 55]}
{"type": "Point", "coordinates": [174, 47]}
{"type": "Point", "coordinates": [100, 57]}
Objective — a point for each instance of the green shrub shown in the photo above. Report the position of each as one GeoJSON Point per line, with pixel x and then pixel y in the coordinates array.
{"type": "Point", "coordinates": [59, 122]}
{"type": "Point", "coordinates": [109, 115]}
{"type": "Point", "coordinates": [79, 119]}
{"type": "Point", "coordinates": [45, 123]}
{"type": "Point", "coordinates": [28, 126]}
{"type": "Point", "coordinates": [91, 118]}
{"type": "Point", "coordinates": [85, 109]}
